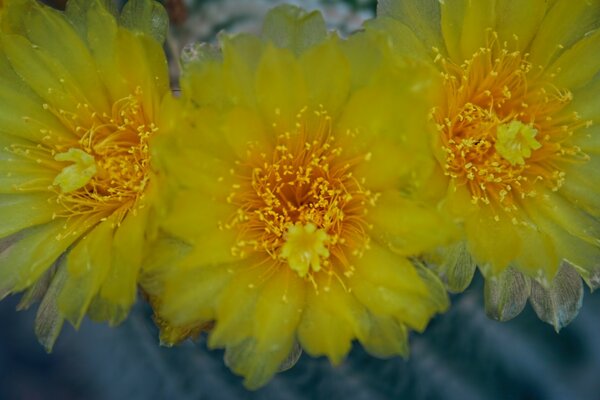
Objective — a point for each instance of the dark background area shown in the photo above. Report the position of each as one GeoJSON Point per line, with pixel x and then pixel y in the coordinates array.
{"type": "Point", "coordinates": [462, 355]}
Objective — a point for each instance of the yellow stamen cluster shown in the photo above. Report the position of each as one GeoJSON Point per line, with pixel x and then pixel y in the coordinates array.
{"type": "Point", "coordinates": [105, 168]}
{"type": "Point", "coordinates": [502, 127]}
{"type": "Point", "coordinates": [301, 206]}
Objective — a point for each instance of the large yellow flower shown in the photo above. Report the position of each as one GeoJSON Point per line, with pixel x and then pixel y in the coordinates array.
{"type": "Point", "coordinates": [79, 94]}
{"type": "Point", "coordinates": [296, 179]}
{"type": "Point", "coordinates": [516, 138]}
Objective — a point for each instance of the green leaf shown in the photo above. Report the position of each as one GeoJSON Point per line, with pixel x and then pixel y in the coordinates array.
{"type": "Point", "coordinates": [146, 16]}
{"type": "Point", "coordinates": [505, 295]}
{"type": "Point", "coordinates": [558, 304]}
{"type": "Point", "coordinates": [293, 28]}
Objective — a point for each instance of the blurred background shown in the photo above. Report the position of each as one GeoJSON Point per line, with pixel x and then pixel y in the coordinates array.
{"type": "Point", "coordinates": [463, 354]}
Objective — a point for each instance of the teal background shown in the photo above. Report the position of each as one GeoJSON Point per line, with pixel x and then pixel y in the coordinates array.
{"type": "Point", "coordinates": [462, 355]}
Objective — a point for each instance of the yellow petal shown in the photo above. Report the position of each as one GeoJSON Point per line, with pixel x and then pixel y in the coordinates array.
{"type": "Point", "coordinates": [277, 313]}
{"type": "Point", "coordinates": [193, 84]}
{"type": "Point", "coordinates": [22, 114]}
{"type": "Point", "coordinates": [142, 64]}
{"type": "Point", "coordinates": [278, 309]}
{"type": "Point", "coordinates": [185, 221]}
{"type": "Point", "coordinates": [43, 74]}
{"type": "Point", "coordinates": [87, 265]}
{"type": "Point", "coordinates": [241, 55]}
{"type": "Point", "coordinates": [118, 291]}
{"type": "Point", "coordinates": [407, 227]}
{"type": "Point", "coordinates": [586, 103]}
{"type": "Point", "coordinates": [519, 20]}
{"type": "Point", "coordinates": [245, 132]}
{"type": "Point", "coordinates": [389, 285]}
{"type": "Point", "coordinates": [583, 254]}
{"type": "Point", "coordinates": [235, 309]}
{"type": "Point", "coordinates": [31, 253]}
{"type": "Point", "coordinates": [20, 211]}
{"type": "Point", "coordinates": [581, 187]}
{"type": "Point", "coordinates": [280, 88]}
{"type": "Point", "coordinates": [332, 319]}
{"type": "Point", "coordinates": [101, 31]}
{"type": "Point", "coordinates": [190, 294]}
{"type": "Point", "coordinates": [44, 26]}
{"type": "Point", "coordinates": [538, 256]}
{"type": "Point", "coordinates": [483, 232]}
{"type": "Point", "coordinates": [564, 24]}
{"type": "Point", "coordinates": [578, 64]}
{"type": "Point", "coordinates": [364, 57]}
{"type": "Point", "coordinates": [327, 76]}
{"type": "Point", "coordinates": [466, 25]}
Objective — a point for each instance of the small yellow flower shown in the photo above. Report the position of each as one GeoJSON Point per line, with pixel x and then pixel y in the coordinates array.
{"type": "Point", "coordinates": [516, 136]}
{"type": "Point", "coordinates": [297, 182]}
{"type": "Point", "coordinates": [79, 101]}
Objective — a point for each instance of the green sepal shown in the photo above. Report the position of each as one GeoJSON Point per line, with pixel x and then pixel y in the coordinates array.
{"type": "Point", "coordinates": [293, 28]}
{"type": "Point", "coordinates": [506, 294]}
{"type": "Point", "coordinates": [147, 17]}
{"type": "Point", "coordinates": [559, 303]}
{"type": "Point", "coordinates": [48, 320]}
{"type": "Point", "coordinates": [456, 267]}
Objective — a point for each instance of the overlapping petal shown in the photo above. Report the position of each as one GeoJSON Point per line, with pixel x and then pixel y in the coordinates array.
{"type": "Point", "coordinates": [300, 226]}
{"type": "Point", "coordinates": [80, 94]}
{"type": "Point", "coordinates": [526, 199]}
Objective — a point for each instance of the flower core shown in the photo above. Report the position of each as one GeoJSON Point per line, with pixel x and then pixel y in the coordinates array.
{"type": "Point", "coordinates": [103, 168]}
{"type": "Point", "coordinates": [502, 127]}
{"type": "Point", "coordinates": [302, 205]}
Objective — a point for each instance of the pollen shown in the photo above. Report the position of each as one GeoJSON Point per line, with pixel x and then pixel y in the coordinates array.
{"type": "Point", "coordinates": [503, 126]}
{"type": "Point", "coordinates": [300, 206]}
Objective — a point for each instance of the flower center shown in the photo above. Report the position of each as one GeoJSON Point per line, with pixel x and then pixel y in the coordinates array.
{"type": "Point", "coordinates": [503, 128]}
{"type": "Point", "coordinates": [103, 172]}
{"type": "Point", "coordinates": [303, 248]}
{"type": "Point", "coordinates": [111, 158]}
{"type": "Point", "coordinates": [515, 140]}
{"type": "Point", "coordinates": [301, 206]}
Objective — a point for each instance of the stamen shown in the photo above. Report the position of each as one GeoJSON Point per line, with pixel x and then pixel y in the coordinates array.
{"type": "Point", "coordinates": [503, 127]}
{"type": "Point", "coordinates": [301, 207]}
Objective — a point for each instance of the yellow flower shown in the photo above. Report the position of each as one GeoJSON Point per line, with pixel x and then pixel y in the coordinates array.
{"type": "Point", "coordinates": [79, 99]}
{"type": "Point", "coordinates": [516, 139]}
{"type": "Point", "coordinates": [297, 186]}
